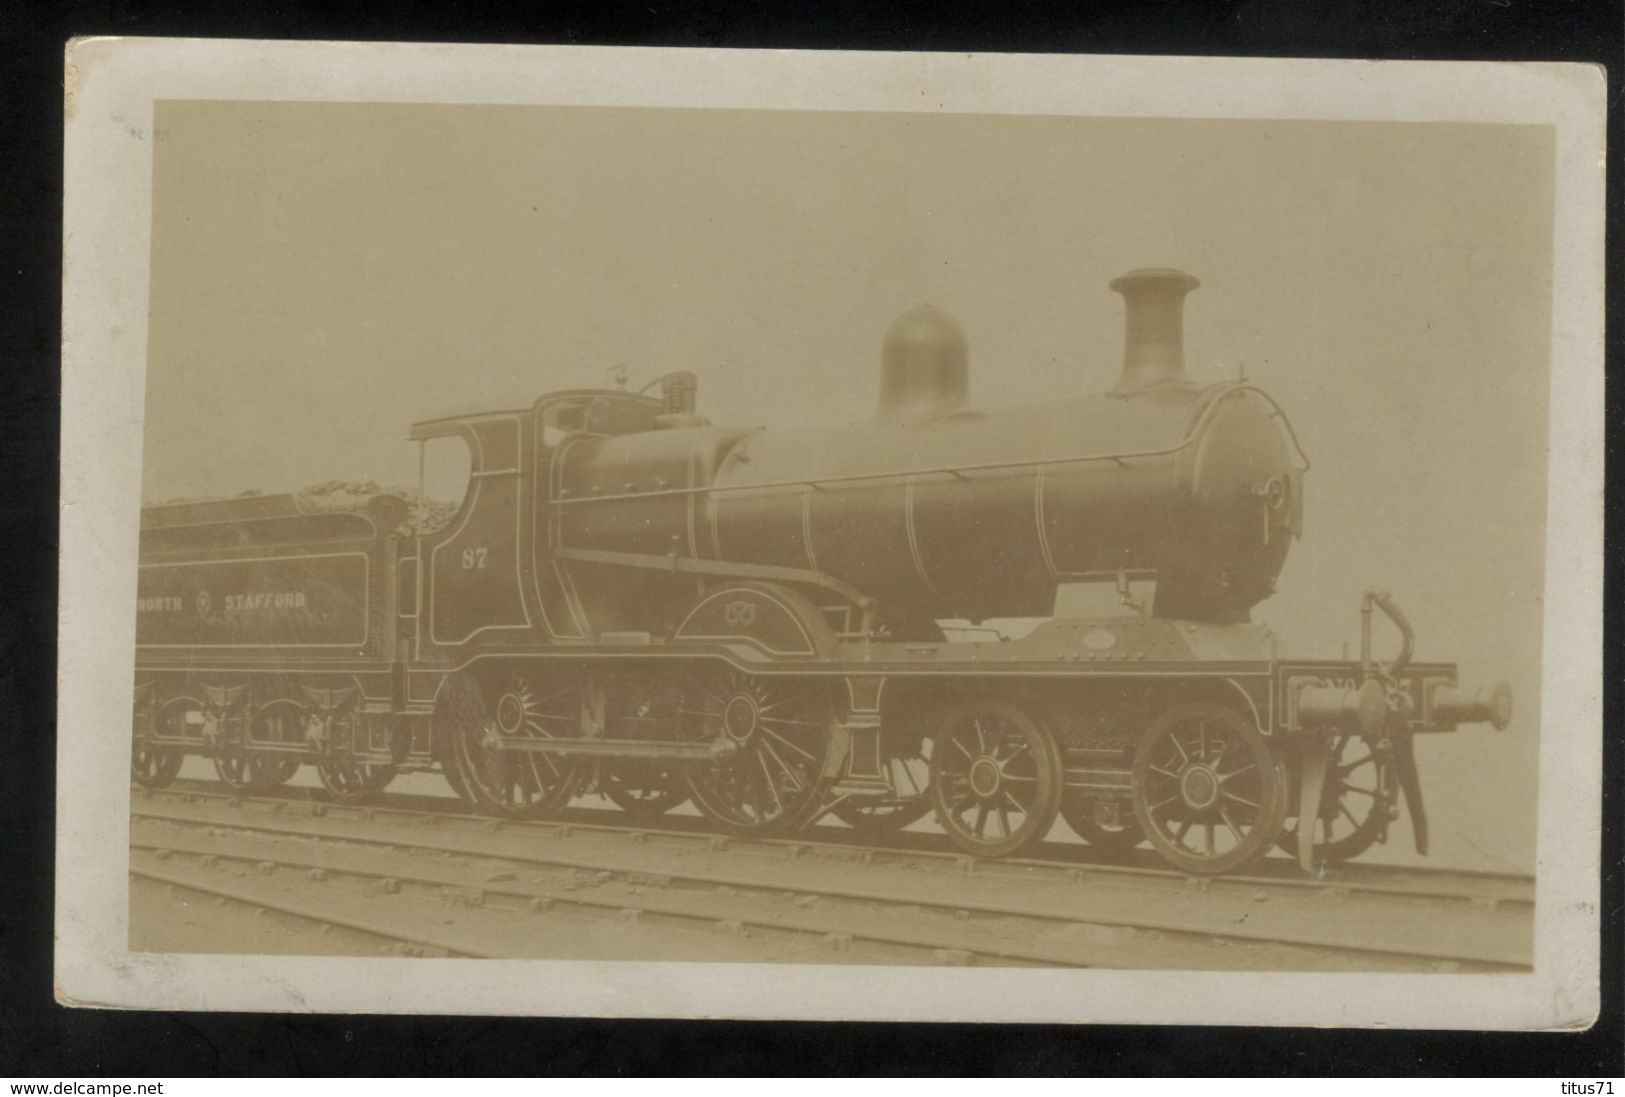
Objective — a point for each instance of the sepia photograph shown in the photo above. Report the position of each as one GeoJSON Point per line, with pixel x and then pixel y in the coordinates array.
{"type": "Point", "coordinates": [691, 526]}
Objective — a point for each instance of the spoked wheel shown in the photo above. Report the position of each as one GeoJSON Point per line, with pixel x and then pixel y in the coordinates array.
{"type": "Point", "coordinates": [1353, 803]}
{"type": "Point", "coordinates": [1208, 790]}
{"type": "Point", "coordinates": [779, 736]}
{"type": "Point", "coordinates": [235, 766]}
{"type": "Point", "coordinates": [995, 778]}
{"type": "Point", "coordinates": [504, 778]}
{"type": "Point", "coordinates": [1079, 813]}
{"type": "Point", "coordinates": [343, 776]}
{"type": "Point", "coordinates": [910, 777]}
{"type": "Point", "coordinates": [278, 721]}
{"type": "Point", "coordinates": [457, 705]}
{"type": "Point", "coordinates": [152, 766]}
{"type": "Point", "coordinates": [243, 768]}
{"type": "Point", "coordinates": [643, 790]}
{"type": "Point", "coordinates": [155, 766]}
{"type": "Point", "coordinates": [247, 770]}
{"type": "Point", "coordinates": [453, 774]}
{"type": "Point", "coordinates": [346, 779]}
{"type": "Point", "coordinates": [274, 770]}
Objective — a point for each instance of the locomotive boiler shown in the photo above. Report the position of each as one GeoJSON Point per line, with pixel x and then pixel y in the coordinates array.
{"type": "Point", "coordinates": [959, 513]}
{"type": "Point", "coordinates": [633, 601]}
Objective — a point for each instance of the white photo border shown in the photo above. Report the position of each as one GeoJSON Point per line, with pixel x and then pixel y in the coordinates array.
{"type": "Point", "coordinates": [111, 86]}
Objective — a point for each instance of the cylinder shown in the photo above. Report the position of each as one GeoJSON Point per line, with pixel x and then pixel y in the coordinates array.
{"type": "Point", "coordinates": [1358, 711]}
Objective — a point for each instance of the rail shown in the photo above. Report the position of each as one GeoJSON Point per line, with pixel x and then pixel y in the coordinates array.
{"type": "Point", "coordinates": [972, 904]}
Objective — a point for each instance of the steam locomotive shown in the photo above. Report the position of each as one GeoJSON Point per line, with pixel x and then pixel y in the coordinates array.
{"type": "Point", "coordinates": [782, 625]}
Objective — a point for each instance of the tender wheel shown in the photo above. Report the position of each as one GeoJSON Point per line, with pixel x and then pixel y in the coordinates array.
{"type": "Point", "coordinates": [518, 783]}
{"type": "Point", "coordinates": [343, 775]}
{"type": "Point", "coordinates": [642, 790]}
{"type": "Point", "coordinates": [348, 780]}
{"type": "Point", "coordinates": [1353, 803]}
{"type": "Point", "coordinates": [234, 765]}
{"type": "Point", "coordinates": [153, 766]}
{"type": "Point", "coordinates": [911, 777]}
{"type": "Point", "coordinates": [995, 778]}
{"type": "Point", "coordinates": [1208, 790]}
{"type": "Point", "coordinates": [778, 737]}
{"type": "Point", "coordinates": [1079, 813]}
{"type": "Point", "coordinates": [277, 721]}
{"type": "Point", "coordinates": [246, 770]}
{"type": "Point", "coordinates": [273, 771]}
{"type": "Point", "coordinates": [238, 765]}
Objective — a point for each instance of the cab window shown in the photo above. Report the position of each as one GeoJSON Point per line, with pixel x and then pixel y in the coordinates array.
{"type": "Point", "coordinates": [447, 469]}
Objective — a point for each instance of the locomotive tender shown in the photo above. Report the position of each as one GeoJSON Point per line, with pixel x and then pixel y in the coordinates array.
{"type": "Point", "coordinates": [633, 601]}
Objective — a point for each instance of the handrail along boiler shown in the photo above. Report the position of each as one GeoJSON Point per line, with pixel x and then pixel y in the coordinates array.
{"type": "Point", "coordinates": [781, 625]}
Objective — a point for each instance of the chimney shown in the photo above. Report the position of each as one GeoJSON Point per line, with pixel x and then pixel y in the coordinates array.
{"type": "Point", "coordinates": [1154, 328]}
{"type": "Point", "coordinates": [924, 370]}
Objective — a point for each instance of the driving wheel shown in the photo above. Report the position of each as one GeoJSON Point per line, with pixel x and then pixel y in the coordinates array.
{"type": "Point", "coordinates": [774, 738]}
{"type": "Point", "coordinates": [504, 777]}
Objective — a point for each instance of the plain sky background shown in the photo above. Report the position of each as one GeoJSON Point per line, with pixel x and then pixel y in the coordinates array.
{"type": "Point", "coordinates": [324, 274]}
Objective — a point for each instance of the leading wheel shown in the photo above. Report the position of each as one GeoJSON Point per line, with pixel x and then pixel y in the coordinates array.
{"type": "Point", "coordinates": [1208, 790]}
{"type": "Point", "coordinates": [1353, 803]}
{"type": "Point", "coordinates": [995, 778]}
{"type": "Point", "coordinates": [774, 738]}
{"type": "Point", "coordinates": [494, 766]}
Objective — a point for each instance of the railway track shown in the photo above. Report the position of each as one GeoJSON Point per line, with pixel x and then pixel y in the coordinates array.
{"type": "Point", "coordinates": [394, 868]}
{"type": "Point", "coordinates": [361, 934]}
{"type": "Point", "coordinates": [906, 847]}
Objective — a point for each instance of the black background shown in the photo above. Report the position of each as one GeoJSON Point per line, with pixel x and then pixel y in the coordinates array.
{"type": "Point", "coordinates": [40, 1039]}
